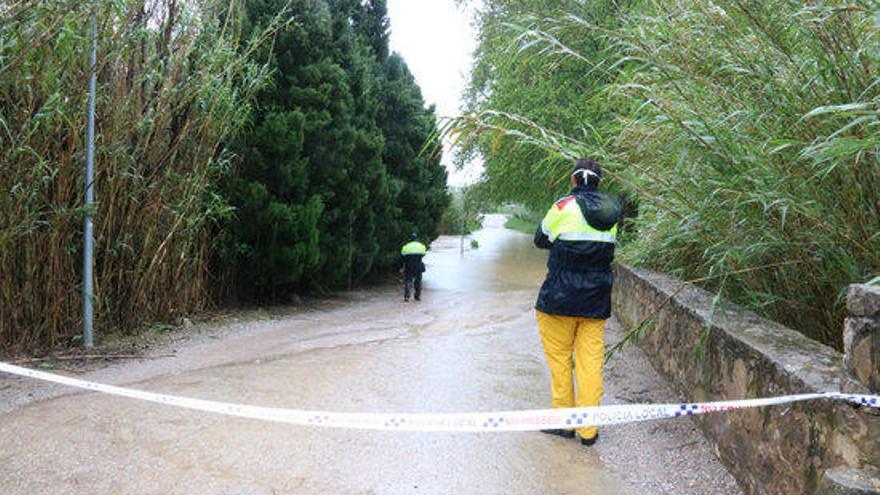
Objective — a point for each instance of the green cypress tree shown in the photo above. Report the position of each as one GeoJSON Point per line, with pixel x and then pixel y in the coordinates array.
{"type": "Point", "coordinates": [418, 178]}
{"type": "Point", "coordinates": [331, 180]}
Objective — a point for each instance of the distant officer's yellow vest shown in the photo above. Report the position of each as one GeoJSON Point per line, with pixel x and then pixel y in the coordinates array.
{"type": "Point", "coordinates": [566, 222]}
{"type": "Point", "coordinates": [414, 247]}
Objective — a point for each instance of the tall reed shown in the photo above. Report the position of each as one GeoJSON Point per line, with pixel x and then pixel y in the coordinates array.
{"type": "Point", "coordinates": [750, 134]}
{"type": "Point", "coordinates": [763, 129]}
{"type": "Point", "coordinates": [172, 87]}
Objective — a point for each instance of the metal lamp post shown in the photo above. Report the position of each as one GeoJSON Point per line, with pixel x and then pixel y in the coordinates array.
{"type": "Point", "coordinates": [88, 228]}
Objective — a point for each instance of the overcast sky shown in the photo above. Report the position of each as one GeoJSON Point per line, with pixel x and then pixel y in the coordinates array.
{"type": "Point", "coordinates": [437, 40]}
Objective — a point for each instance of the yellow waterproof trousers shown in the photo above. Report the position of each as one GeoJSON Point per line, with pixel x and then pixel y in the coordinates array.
{"type": "Point", "coordinates": [583, 339]}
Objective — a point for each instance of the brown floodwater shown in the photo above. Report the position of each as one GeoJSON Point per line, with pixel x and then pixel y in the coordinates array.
{"type": "Point", "coordinates": [469, 345]}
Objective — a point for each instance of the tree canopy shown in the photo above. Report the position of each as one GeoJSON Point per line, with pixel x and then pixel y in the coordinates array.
{"type": "Point", "coordinates": [331, 178]}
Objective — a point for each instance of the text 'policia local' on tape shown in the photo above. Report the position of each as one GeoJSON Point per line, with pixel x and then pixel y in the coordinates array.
{"type": "Point", "coordinates": [528, 420]}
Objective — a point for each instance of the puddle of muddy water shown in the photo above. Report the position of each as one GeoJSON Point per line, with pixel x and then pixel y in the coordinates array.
{"type": "Point", "coordinates": [505, 260]}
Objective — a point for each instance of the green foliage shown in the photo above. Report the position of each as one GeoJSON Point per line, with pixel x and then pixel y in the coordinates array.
{"type": "Point", "coordinates": [172, 86]}
{"type": "Point", "coordinates": [747, 131]}
{"type": "Point", "coordinates": [522, 219]}
{"type": "Point", "coordinates": [331, 181]}
{"type": "Point", "coordinates": [451, 222]}
{"type": "Point", "coordinates": [464, 214]}
{"type": "Point", "coordinates": [527, 82]}
{"type": "Point", "coordinates": [416, 179]}
{"type": "Point", "coordinates": [762, 152]}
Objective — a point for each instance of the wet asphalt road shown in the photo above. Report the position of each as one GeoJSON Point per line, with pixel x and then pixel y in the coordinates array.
{"type": "Point", "coordinates": [469, 345]}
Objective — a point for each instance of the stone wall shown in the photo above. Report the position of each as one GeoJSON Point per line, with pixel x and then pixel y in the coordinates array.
{"type": "Point", "coordinates": [773, 450]}
{"type": "Point", "coordinates": [861, 335]}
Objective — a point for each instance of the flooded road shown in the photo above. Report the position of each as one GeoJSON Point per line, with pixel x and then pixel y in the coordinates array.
{"type": "Point", "coordinates": [470, 345]}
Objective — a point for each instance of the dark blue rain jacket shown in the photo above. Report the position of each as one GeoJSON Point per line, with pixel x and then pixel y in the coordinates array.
{"type": "Point", "coordinates": [579, 274]}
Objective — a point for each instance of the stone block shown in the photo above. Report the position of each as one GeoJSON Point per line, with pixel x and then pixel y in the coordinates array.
{"type": "Point", "coordinates": [861, 348]}
{"type": "Point", "coordinates": [863, 300]}
{"type": "Point", "coordinates": [850, 481]}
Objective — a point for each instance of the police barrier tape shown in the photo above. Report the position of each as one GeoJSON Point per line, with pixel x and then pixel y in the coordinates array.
{"type": "Point", "coordinates": [528, 420]}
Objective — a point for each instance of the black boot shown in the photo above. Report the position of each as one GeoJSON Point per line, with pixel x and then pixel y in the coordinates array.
{"type": "Point", "coordinates": [589, 442]}
{"type": "Point", "coordinates": [560, 433]}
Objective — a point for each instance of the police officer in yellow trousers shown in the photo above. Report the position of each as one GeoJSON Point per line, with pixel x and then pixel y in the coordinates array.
{"type": "Point", "coordinates": [574, 303]}
{"type": "Point", "coordinates": [413, 267]}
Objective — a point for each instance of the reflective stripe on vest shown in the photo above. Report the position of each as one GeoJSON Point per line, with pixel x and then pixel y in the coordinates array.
{"type": "Point", "coordinates": [597, 236]}
{"type": "Point", "coordinates": [413, 247]}
{"type": "Point", "coordinates": [566, 222]}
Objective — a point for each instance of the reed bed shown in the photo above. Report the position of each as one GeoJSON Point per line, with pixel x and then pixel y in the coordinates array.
{"type": "Point", "coordinates": [174, 83]}
{"type": "Point", "coordinates": [748, 132]}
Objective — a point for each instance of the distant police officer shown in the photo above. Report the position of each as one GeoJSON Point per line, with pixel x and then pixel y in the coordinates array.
{"type": "Point", "coordinates": [413, 267]}
{"type": "Point", "coordinates": [574, 303]}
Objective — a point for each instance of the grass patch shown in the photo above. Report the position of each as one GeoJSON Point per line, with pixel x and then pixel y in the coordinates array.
{"type": "Point", "coordinates": [521, 219]}
{"type": "Point", "coordinates": [521, 225]}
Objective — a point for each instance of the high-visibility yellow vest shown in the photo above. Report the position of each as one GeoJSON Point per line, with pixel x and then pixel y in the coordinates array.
{"type": "Point", "coordinates": [414, 247]}
{"type": "Point", "coordinates": [566, 222]}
